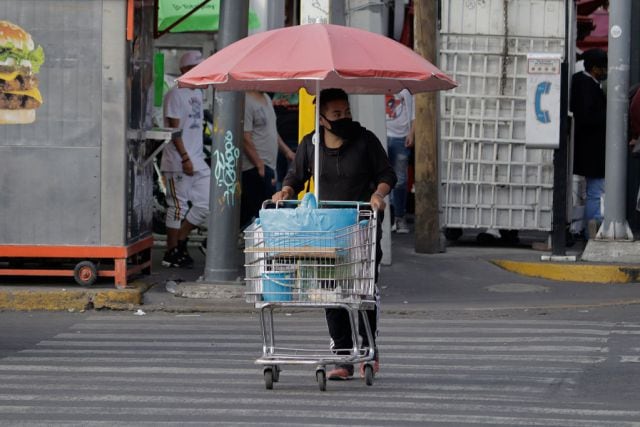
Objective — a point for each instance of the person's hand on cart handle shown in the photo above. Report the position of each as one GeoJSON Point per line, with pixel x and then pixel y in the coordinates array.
{"type": "Point", "coordinates": [285, 194]}
{"type": "Point", "coordinates": [377, 201]}
{"type": "Point", "coordinates": [377, 198]}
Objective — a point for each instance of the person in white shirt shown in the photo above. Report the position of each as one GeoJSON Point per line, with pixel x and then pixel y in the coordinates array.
{"type": "Point", "coordinates": [184, 168]}
{"type": "Point", "coordinates": [400, 115]}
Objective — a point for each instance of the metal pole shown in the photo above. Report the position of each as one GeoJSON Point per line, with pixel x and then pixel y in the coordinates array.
{"type": "Point", "coordinates": [615, 226]}
{"type": "Point", "coordinates": [559, 236]}
{"type": "Point", "coordinates": [398, 18]}
{"type": "Point", "coordinates": [275, 14]}
{"type": "Point", "coordinates": [316, 145]}
{"type": "Point", "coordinates": [222, 260]}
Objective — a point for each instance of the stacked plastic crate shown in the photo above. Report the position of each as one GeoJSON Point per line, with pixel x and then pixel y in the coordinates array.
{"type": "Point", "coordinates": [489, 178]}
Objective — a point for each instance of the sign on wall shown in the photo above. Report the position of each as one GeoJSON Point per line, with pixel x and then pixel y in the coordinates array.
{"type": "Point", "coordinates": [206, 18]}
{"type": "Point", "coordinates": [543, 100]}
{"type": "Point", "coordinates": [50, 73]}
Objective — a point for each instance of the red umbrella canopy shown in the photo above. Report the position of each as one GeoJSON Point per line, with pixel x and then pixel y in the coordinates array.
{"type": "Point", "coordinates": [287, 59]}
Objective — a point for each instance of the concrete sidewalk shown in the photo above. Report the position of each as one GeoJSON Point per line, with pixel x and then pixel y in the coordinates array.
{"type": "Point", "coordinates": [468, 275]}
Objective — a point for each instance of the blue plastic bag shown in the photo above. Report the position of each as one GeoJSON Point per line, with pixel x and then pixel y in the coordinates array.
{"type": "Point", "coordinates": [306, 225]}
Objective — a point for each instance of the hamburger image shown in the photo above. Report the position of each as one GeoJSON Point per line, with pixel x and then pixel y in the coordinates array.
{"type": "Point", "coordinates": [20, 61]}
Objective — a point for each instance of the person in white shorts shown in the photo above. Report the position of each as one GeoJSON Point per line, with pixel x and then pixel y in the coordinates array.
{"type": "Point", "coordinates": [184, 168]}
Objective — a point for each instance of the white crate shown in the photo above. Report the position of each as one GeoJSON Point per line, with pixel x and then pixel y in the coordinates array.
{"type": "Point", "coordinates": [489, 178]}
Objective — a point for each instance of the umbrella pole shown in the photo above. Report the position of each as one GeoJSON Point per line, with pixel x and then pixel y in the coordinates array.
{"type": "Point", "coordinates": [316, 144]}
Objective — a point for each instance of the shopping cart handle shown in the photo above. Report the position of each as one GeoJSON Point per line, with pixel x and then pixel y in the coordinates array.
{"type": "Point", "coordinates": [321, 204]}
{"type": "Point", "coordinates": [279, 204]}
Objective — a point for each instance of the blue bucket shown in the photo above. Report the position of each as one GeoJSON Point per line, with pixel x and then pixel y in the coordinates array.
{"type": "Point", "coordinates": [277, 286]}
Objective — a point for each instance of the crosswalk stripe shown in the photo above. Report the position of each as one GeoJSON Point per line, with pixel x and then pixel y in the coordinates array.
{"type": "Point", "coordinates": [241, 359]}
{"type": "Point", "coordinates": [153, 341]}
{"type": "Point", "coordinates": [542, 360]}
{"type": "Point", "coordinates": [408, 330]}
{"type": "Point", "coordinates": [420, 350]}
{"type": "Point", "coordinates": [387, 337]}
{"type": "Point", "coordinates": [397, 362]}
{"type": "Point", "coordinates": [383, 387]}
{"type": "Point", "coordinates": [270, 401]}
{"type": "Point", "coordinates": [16, 384]}
{"type": "Point", "coordinates": [312, 317]}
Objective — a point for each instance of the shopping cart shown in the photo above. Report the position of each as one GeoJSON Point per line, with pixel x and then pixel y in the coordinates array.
{"type": "Point", "coordinates": [313, 269]}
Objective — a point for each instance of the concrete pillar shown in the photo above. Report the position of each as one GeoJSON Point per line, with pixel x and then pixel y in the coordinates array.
{"type": "Point", "coordinates": [222, 264]}
{"type": "Point", "coordinates": [615, 226]}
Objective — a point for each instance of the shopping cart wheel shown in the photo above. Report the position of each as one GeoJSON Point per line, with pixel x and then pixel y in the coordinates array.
{"type": "Point", "coordinates": [368, 374]}
{"type": "Point", "coordinates": [276, 373]}
{"type": "Point", "coordinates": [268, 378]}
{"type": "Point", "coordinates": [321, 377]}
{"type": "Point", "coordinates": [85, 273]}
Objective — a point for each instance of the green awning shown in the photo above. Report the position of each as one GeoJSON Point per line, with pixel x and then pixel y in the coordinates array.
{"type": "Point", "coordinates": [207, 18]}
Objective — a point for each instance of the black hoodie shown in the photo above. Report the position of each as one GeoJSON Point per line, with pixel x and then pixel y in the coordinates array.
{"type": "Point", "coordinates": [351, 172]}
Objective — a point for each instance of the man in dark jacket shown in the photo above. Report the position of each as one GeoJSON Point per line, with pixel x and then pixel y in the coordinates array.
{"type": "Point", "coordinates": [589, 107]}
{"type": "Point", "coordinates": [353, 167]}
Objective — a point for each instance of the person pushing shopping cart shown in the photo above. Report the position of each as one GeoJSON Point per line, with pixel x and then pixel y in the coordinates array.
{"type": "Point", "coordinates": [353, 167]}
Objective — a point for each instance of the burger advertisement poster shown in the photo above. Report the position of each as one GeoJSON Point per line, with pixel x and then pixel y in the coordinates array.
{"type": "Point", "coordinates": [20, 62]}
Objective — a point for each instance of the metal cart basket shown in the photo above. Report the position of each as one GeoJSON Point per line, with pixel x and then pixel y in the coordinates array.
{"type": "Point", "coordinates": [313, 269]}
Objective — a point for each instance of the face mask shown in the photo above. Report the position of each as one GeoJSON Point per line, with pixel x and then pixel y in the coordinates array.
{"type": "Point", "coordinates": [343, 128]}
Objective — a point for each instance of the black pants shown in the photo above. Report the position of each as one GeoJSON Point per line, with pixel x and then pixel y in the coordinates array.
{"type": "Point", "coordinates": [340, 328]}
{"type": "Point", "coordinates": [338, 319]}
{"type": "Point", "coordinates": [255, 190]}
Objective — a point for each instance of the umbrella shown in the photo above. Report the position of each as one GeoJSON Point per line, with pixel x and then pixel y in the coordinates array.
{"type": "Point", "coordinates": [317, 56]}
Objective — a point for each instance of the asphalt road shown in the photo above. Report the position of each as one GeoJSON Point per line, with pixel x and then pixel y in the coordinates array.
{"type": "Point", "coordinates": [450, 368]}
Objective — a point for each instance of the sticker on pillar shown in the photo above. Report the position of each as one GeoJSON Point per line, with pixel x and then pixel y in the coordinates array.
{"type": "Point", "coordinates": [225, 168]}
{"type": "Point", "coordinates": [20, 61]}
{"type": "Point", "coordinates": [543, 100]}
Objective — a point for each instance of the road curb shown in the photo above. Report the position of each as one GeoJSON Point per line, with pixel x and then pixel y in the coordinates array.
{"type": "Point", "coordinates": [573, 272]}
{"type": "Point", "coordinates": [15, 298]}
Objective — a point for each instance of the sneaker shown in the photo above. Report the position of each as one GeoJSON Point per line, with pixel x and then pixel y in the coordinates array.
{"type": "Point", "coordinates": [182, 246]}
{"type": "Point", "coordinates": [393, 226]}
{"type": "Point", "coordinates": [340, 373]}
{"type": "Point", "coordinates": [401, 226]}
{"type": "Point", "coordinates": [175, 258]}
